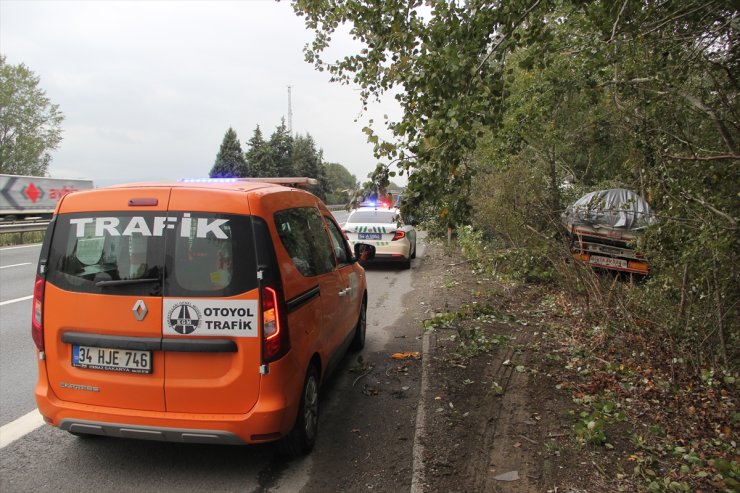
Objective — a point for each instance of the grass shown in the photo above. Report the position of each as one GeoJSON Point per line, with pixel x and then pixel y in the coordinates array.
{"type": "Point", "coordinates": [10, 239]}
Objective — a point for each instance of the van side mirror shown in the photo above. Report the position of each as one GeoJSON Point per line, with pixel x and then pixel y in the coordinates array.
{"type": "Point", "coordinates": [363, 252]}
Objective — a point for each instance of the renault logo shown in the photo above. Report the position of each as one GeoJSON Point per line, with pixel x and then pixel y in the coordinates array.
{"type": "Point", "coordinates": [140, 310]}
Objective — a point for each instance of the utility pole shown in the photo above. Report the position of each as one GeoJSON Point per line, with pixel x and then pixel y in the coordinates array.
{"type": "Point", "coordinates": [290, 112]}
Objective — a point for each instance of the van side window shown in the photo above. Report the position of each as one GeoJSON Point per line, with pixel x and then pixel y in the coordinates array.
{"type": "Point", "coordinates": [304, 237]}
{"type": "Point", "coordinates": [338, 241]}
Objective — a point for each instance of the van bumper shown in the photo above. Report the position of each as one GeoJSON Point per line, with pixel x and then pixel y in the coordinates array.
{"type": "Point", "coordinates": [271, 418]}
{"type": "Point", "coordinates": [77, 426]}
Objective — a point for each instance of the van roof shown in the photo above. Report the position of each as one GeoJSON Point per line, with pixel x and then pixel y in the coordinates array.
{"type": "Point", "coordinates": [241, 184]}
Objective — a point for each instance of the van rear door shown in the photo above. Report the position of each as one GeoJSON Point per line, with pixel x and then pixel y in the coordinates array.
{"type": "Point", "coordinates": [210, 316]}
{"type": "Point", "coordinates": [102, 301]}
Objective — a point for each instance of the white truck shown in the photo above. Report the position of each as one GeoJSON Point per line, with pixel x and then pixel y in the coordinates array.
{"type": "Point", "coordinates": [603, 227]}
{"type": "Point", "coordinates": [26, 197]}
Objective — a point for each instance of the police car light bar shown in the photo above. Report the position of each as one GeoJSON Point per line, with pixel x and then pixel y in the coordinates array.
{"type": "Point", "coordinates": [278, 180]}
{"type": "Point", "coordinates": [378, 204]}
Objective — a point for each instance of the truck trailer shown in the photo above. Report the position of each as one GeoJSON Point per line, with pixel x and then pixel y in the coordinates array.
{"type": "Point", "coordinates": [27, 197]}
{"type": "Point", "coordinates": [603, 227]}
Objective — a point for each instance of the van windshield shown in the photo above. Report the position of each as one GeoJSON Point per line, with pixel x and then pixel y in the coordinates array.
{"type": "Point", "coordinates": [153, 254]}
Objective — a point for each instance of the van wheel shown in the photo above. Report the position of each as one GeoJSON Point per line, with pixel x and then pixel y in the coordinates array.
{"type": "Point", "coordinates": [301, 439]}
{"type": "Point", "coordinates": [358, 342]}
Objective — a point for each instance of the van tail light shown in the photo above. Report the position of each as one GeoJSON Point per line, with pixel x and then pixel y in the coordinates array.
{"type": "Point", "coordinates": [275, 341]}
{"type": "Point", "coordinates": [37, 320]}
{"type": "Point", "coordinates": [399, 235]}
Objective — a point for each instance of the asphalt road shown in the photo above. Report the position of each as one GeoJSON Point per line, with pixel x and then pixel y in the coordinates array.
{"type": "Point", "coordinates": [47, 459]}
{"type": "Point", "coordinates": [17, 360]}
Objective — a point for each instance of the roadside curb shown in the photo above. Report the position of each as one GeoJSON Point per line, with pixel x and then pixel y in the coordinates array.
{"type": "Point", "coordinates": [417, 478]}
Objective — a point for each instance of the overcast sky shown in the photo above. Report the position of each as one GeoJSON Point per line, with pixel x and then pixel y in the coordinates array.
{"type": "Point", "coordinates": [148, 88]}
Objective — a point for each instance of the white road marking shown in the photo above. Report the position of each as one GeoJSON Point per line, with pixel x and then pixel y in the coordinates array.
{"type": "Point", "coordinates": [16, 300]}
{"type": "Point", "coordinates": [20, 427]}
{"type": "Point", "coordinates": [20, 246]}
{"type": "Point", "coordinates": [14, 265]}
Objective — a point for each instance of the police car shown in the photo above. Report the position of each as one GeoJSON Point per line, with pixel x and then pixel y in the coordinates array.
{"type": "Point", "coordinates": [382, 226]}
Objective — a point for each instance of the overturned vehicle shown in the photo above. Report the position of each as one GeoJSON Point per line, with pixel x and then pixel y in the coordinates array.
{"type": "Point", "coordinates": [603, 227]}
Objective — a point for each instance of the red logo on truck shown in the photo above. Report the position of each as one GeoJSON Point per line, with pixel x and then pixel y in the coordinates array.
{"type": "Point", "coordinates": [32, 193]}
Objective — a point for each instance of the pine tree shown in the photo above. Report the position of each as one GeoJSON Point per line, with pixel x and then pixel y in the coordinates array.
{"type": "Point", "coordinates": [230, 160]}
{"type": "Point", "coordinates": [307, 161]}
{"type": "Point", "coordinates": [258, 156]}
{"type": "Point", "coordinates": [281, 150]}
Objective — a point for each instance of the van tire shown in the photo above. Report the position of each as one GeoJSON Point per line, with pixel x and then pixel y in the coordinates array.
{"type": "Point", "coordinates": [302, 438]}
{"type": "Point", "coordinates": [358, 341]}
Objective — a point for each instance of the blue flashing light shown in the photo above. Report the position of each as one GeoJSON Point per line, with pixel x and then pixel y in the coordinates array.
{"type": "Point", "coordinates": [208, 180]}
{"type": "Point", "coordinates": [376, 204]}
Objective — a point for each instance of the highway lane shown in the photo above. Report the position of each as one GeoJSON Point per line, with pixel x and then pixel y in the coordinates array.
{"type": "Point", "coordinates": [17, 268]}
{"type": "Point", "coordinates": [18, 368]}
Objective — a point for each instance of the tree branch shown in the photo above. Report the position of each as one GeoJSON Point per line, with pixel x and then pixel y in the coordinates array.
{"type": "Point", "coordinates": [701, 201]}
{"type": "Point", "coordinates": [506, 36]}
{"type": "Point", "coordinates": [616, 22]}
{"type": "Point", "coordinates": [696, 103]}
{"type": "Point", "coordinates": [699, 158]}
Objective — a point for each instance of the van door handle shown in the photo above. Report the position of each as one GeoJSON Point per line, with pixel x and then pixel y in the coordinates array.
{"type": "Point", "coordinates": [345, 291]}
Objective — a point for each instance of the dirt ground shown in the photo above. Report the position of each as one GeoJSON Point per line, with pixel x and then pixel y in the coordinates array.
{"type": "Point", "coordinates": [520, 393]}
{"type": "Point", "coordinates": [495, 420]}
{"type": "Point", "coordinates": [526, 393]}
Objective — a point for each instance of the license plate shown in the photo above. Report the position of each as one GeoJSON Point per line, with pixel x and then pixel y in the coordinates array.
{"type": "Point", "coordinates": [123, 360]}
{"type": "Point", "coordinates": [370, 236]}
{"type": "Point", "coordinates": [608, 262]}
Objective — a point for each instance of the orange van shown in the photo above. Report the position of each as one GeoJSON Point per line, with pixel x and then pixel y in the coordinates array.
{"type": "Point", "coordinates": [206, 311]}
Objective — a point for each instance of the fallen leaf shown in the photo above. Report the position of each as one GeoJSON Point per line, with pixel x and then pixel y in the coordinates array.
{"type": "Point", "coordinates": [517, 444]}
{"type": "Point", "coordinates": [407, 355]}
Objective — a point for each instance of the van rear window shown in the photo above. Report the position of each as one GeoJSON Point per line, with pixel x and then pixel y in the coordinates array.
{"type": "Point", "coordinates": [154, 254]}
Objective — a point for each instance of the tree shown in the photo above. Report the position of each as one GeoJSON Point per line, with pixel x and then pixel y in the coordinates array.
{"type": "Point", "coordinates": [446, 70]}
{"type": "Point", "coordinates": [281, 150]}
{"type": "Point", "coordinates": [340, 183]}
{"type": "Point", "coordinates": [522, 92]}
{"type": "Point", "coordinates": [258, 156]}
{"type": "Point", "coordinates": [307, 161]}
{"type": "Point", "coordinates": [30, 125]}
{"type": "Point", "coordinates": [230, 160]}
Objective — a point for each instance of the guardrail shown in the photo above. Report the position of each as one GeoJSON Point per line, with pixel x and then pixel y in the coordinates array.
{"type": "Point", "coordinates": [23, 226]}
